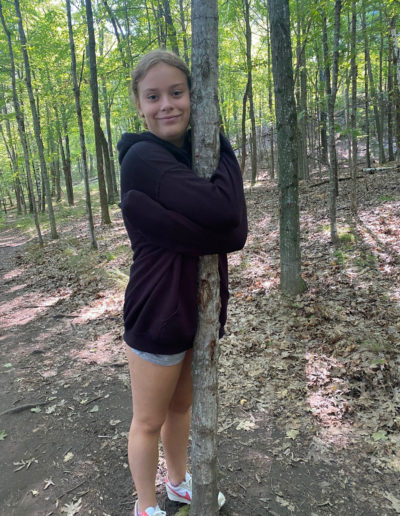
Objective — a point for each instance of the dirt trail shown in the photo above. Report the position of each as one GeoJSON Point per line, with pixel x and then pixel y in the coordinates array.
{"type": "Point", "coordinates": [62, 356]}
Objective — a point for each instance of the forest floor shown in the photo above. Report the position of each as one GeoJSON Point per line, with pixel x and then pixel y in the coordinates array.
{"type": "Point", "coordinates": [309, 387]}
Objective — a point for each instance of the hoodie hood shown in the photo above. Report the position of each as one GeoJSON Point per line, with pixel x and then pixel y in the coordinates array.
{"type": "Point", "coordinates": [182, 154]}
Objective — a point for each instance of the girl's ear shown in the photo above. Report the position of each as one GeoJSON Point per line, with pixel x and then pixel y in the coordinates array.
{"type": "Point", "coordinates": [138, 108]}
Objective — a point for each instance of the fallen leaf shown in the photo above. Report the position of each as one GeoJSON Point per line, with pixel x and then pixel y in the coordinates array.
{"type": "Point", "coordinates": [379, 436]}
{"type": "Point", "coordinates": [3, 435]}
{"type": "Point", "coordinates": [34, 492]}
{"type": "Point", "coordinates": [94, 409]}
{"type": "Point", "coordinates": [68, 456]}
{"type": "Point", "coordinates": [292, 434]}
{"type": "Point", "coordinates": [36, 410]}
{"type": "Point", "coordinates": [72, 508]}
{"type": "Point", "coordinates": [395, 501]}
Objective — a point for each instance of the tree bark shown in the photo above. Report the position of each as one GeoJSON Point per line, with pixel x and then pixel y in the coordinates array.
{"type": "Point", "coordinates": [253, 139]}
{"type": "Point", "coordinates": [105, 216]}
{"type": "Point", "coordinates": [36, 123]}
{"type": "Point", "coordinates": [205, 131]}
{"type": "Point", "coordinates": [333, 189]}
{"type": "Point", "coordinates": [396, 81]}
{"type": "Point", "coordinates": [170, 27]}
{"type": "Point", "coordinates": [93, 242]}
{"type": "Point", "coordinates": [270, 104]}
{"type": "Point", "coordinates": [390, 103]}
{"type": "Point", "coordinates": [372, 88]}
{"type": "Point", "coordinates": [291, 281]}
{"type": "Point", "coordinates": [353, 116]}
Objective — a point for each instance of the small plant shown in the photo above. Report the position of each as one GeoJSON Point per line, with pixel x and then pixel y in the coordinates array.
{"type": "Point", "coordinates": [386, 198]}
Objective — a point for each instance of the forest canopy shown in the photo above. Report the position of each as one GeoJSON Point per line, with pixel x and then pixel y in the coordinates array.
{"type": "Point", "coordinates": [40, 138]}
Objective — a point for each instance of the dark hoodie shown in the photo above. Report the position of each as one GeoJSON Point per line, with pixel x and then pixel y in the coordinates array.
{"type": "Point", "coordinates": [172, 217]}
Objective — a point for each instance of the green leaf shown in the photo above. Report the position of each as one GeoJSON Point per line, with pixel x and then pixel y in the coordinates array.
{"type": "Point", "coordinates": [7, 365]}
{"type": "Point", "coordinates": [36, 410]}
{"type": "Point", "coordinates": [292, 434]}
{"type": "Point", "coordinates": [94, 409]}
{"type": "Point", "coordinates": [3, 435]}
{"type": "Point", "coordinates": [379, 436]}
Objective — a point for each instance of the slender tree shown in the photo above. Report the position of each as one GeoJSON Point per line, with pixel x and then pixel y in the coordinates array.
{"type": "Point", "coordinates": [333, 168]}
{"type": "Point", "coordinates": [77, 94]}
{"type": "Point", "coordinates": [249, 89]}
{"type": "Point", "coordinates": [206, 346]}
{"type": "Point", "coordinates": [353, 124]}
{"type": "Point", "coordinates": [372, 87]}
{"type": "Point", "coordinates": [291, 281]}
{"type": "Point", "coordinates": [105, 216]}
{"type": "Point", "coordinates": [36, 122]}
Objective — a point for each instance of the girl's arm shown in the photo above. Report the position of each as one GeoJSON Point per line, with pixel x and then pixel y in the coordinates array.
{"type": "Point", "coordinates": [216, 204]}
{"type": "Point", "coordinates": [175, 232]}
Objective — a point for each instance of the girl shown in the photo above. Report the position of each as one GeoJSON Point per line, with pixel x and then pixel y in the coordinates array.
{"type": "Point", "coordinates": [172, 217]}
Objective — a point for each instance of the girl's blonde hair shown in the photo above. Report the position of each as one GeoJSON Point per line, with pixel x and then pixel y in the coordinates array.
{"type": "Point", "coordinates": [152, 58]}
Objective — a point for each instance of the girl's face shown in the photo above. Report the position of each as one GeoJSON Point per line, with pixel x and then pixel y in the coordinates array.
{"type": "Point", "coordinates": [164, 102]}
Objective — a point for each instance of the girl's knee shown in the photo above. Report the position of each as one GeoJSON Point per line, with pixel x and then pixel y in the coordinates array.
{"type": "Point", "coordinates": [149, 425]}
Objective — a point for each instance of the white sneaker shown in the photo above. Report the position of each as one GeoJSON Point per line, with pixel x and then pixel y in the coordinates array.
{"type": "Point", "coordinates": [150, 511]}
{"type": "Point", "coordinates": [183, 492]}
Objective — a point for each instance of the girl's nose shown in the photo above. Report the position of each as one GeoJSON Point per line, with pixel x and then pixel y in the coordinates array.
{"type": "Point", "coordinates": [165, 102]}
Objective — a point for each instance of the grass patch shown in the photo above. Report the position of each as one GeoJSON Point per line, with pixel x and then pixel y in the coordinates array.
{"type": "Point", "coordinates": [366, 260]}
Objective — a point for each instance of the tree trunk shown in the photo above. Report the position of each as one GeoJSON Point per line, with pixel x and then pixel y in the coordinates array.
{"type": "Point", "coordinates": [36, 122]}
{"type": "Point", "coordinates": [367, 126]}
{"type": "Point", "coordinates": [253, 139]}
{"type": "Point", "coordinates": [184, 36]}
{"type": "Point", "coordinates": [170, 27]}
{"type": "Point", "coordinates": [205, 131]}
{"type": "Point", "coordinates": [105, 216]}
{"type": "Point", "coordinates": [301, 98]}
{"type": "Point", "coordinates": [107, 142]}
{"type": "Point", "coordinates": [291, 281]}
{"type": "Point", "coordinates": [372, 88]}
{"type": "Point", "coordinates": [270, 104]}
{"type": "Point", "coordinates": [244, 139]}
{"type": "Point", "coordinates": [390, 103]}
{"type": "Point", "coordinates": [333, 184]}
{"type": "Point", "coordinates": [353, 116]}
{"type": "Point", "coordinates": [396, 81]}
{"type": "Point", "coordinates": [93, 242]}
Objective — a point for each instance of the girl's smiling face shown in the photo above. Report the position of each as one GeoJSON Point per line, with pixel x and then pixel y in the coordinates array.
{"type": "Point", "coordinates": [164, 102]}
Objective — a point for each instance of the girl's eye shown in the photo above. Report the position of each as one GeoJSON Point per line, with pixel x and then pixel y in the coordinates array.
{"type": "Point", "coordinates": [177, 93]}
{"type": "Point", "coordinates": [152, 97]}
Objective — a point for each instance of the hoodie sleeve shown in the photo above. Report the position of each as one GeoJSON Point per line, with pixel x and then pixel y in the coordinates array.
{"type": "Point", "coordinates": [216, 204]}
{"type": "Point", "coordinates": [175, 232]}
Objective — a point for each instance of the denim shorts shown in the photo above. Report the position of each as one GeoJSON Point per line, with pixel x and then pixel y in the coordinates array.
{"type": "Point", "coordinates": [163, 360]}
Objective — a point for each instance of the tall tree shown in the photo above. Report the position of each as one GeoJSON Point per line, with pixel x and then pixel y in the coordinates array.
{"type": "Point", "coordinates": [105, 216]}
{"type": "Point", "coordinates": [332, 92]}
{"type": "Point", "coordinates": [36, 122]}
{"type": "Point", "coordinates": [372, 86]}
{"type": "Point", "coordinates": [77, 94]}
{"type": "Point", "coordinates": [206, 346]}
{"type": "Point", "coordinates": [170, 27]}
{"type": "Point", "coordinates": [353, 116]}
{"type": "Point", "coordinates": [249, 89]}
{"type": "Point", "coordinates": [291, 281]}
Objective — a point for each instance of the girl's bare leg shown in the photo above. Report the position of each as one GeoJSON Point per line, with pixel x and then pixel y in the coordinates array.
{"type": "Point", "coordinates": [175, 430]}
{"type": "Point", "coordinates": [153, 387]}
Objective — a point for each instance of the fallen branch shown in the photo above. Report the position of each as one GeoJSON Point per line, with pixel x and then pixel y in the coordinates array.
{"type": "Point", "coordinates": [379, 169]}
{"type": "Point", "coordinates": [21, 408]}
